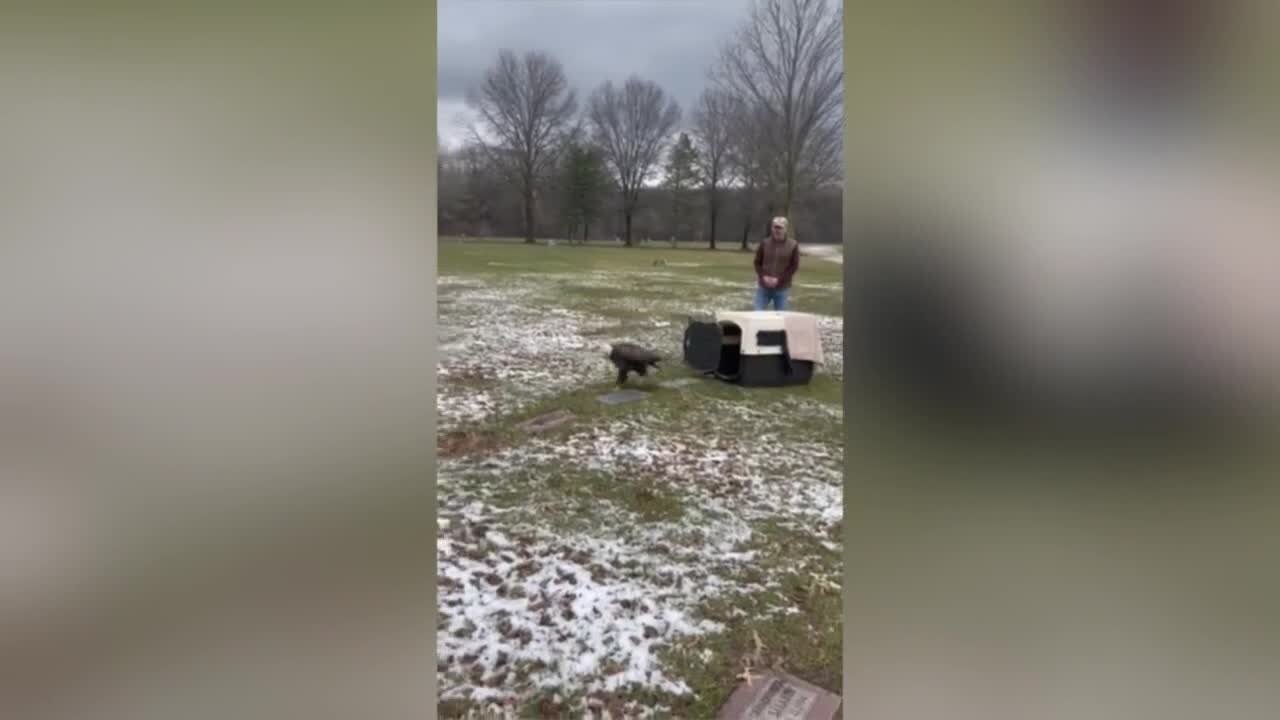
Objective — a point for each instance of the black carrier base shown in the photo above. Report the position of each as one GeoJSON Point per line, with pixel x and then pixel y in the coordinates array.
{"type": "Point", "coordinates": [715, 350]}
{"type": "Point", "coordinates": [772, 371]}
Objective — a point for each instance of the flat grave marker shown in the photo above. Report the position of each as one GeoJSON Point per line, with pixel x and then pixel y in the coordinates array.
{"type": "Point", "coordinates": [774, 695]}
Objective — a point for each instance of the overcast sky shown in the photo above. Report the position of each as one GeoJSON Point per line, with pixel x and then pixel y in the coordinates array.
{"type": "Point", "coordinates": [671, 42]}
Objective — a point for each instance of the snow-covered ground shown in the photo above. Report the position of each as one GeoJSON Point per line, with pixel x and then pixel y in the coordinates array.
{"type": "Point", "coordinates": [503, 347]}
{"type": "Point", "coordinates": [577, 593]}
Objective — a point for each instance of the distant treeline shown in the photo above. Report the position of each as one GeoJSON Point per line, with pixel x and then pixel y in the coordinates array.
{"type": "Point", "coordinates": [763, 139]}
{"type": "Point", "coordinates": [477, 203]}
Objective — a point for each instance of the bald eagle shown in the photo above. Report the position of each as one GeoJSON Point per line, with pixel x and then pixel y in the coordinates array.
{"type": "Point", "coordinates": [629, 358]}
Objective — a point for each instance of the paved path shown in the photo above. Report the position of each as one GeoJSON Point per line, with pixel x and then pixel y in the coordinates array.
{"type": "Point", "coordinates": [830, 253]}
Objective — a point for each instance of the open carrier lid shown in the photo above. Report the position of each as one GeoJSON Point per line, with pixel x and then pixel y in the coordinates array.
{"type": "Point", "coordinates": [702, 341]}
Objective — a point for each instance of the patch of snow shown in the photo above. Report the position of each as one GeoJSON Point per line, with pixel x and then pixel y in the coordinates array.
{"type": "Point", "coordinates": [560, 611]}
{"type": "Point", "coordinates": [603, 644]}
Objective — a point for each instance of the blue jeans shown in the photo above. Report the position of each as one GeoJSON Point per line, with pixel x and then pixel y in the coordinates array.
{"type": "Point", "coordinates": [764, 296]}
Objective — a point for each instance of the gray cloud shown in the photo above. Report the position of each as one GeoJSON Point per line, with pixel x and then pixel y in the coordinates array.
{"type": "Point", "coordinates": [671, 43]}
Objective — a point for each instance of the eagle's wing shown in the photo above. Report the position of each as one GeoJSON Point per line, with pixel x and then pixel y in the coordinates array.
{"type": "Point", "coordinates": [636, 354]}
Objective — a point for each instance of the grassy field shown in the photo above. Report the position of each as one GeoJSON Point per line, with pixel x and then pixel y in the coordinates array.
{"type": "Point", "coordinates": [638, 558]}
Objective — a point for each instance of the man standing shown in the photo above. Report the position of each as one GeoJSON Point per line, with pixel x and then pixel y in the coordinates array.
{"type": "Point", "coordinates": [777, 260]}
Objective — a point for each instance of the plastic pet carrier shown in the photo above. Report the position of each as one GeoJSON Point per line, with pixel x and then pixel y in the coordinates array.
{"type": "Point", "coordinates": [748, 348]}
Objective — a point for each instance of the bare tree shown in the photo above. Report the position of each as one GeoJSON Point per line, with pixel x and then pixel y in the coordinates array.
{"type": "Point", "coordinates": [750, 161]}
{"type": "Point", "coordinates": [787, 60]}
{"type": "Point", "coordinates": [631, 125]}
{"type": "Point", "coordinates": [528, 109]}
{"type": "Point", "coordinates": [468, 189]}
{"type": "Point", "coordinates": [712, 122]}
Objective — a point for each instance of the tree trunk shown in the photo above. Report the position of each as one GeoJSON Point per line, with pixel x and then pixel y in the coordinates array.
{"type": "Point", "coordinates": [713, 206]}
{"type": "Point", "coordinates": [528, 216]}
{"type": "Point", "coordinates": [626, 215]}
{"type": "Point", "coordinates": [586, 231]}
{"type": "Point", "coordinates": [746, 230]}
{"type": "Point", "coordinates": [787, 194]}
{"type": "Point", "coordinates": [675, 214]}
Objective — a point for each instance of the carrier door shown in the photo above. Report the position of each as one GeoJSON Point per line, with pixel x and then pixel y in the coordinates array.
{"type": "Point", "coordinates": [702, 341]}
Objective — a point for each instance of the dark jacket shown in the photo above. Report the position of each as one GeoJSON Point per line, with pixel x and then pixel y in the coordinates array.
{"type": "Point", "coordinates": [779, 259]}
